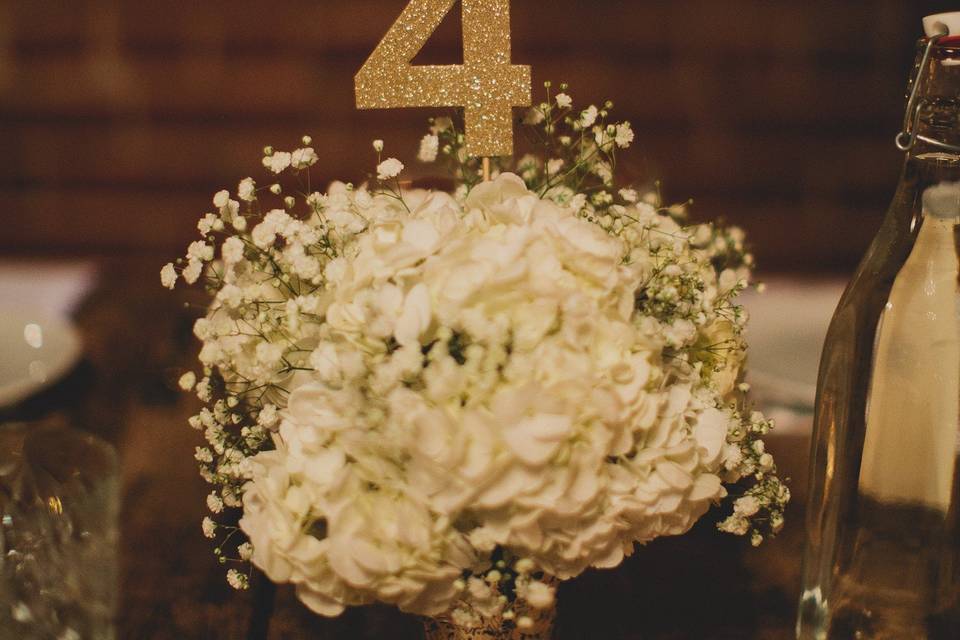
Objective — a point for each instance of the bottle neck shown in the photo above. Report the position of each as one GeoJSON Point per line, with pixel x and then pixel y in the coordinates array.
{"type": "Point", "coordinates": [932, 122]}
{"type": "Point", "coordinates": [932, 119]}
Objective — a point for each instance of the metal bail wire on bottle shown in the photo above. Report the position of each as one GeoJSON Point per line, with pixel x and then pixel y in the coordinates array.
{"type": "Point", "coordinates": [908, 137]}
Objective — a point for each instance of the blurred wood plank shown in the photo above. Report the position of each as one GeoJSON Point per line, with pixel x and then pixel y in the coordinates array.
{"type": "Point", "coordinates": [120, 118]}
{"type": "Point", "coordinates": [286, 86]}
{"type": "Point", "coordinates": [104, 221]}
{"type": "Point", "coordinates": [781, 28]}
{"type": "Point", "coordinates": [161, 155]}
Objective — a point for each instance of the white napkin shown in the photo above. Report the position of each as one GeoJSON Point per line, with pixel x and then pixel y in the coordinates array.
{"type": "Point", "coordinates": [56, 288]}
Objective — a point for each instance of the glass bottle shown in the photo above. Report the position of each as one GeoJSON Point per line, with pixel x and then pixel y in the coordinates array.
{"type": "Point", "coordinates": [883, 527]}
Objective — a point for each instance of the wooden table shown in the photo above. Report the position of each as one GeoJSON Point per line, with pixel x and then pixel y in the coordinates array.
{"type": "Point", "coordinates": [705, 585]}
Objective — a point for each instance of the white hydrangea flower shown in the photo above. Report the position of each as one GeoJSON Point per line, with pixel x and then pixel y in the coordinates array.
{"type": "Point", "coordinates": [399, 384]}
{"type": "Point", "coordinates": [578, 383]}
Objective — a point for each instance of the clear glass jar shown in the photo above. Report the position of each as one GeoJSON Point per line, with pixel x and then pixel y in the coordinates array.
{"type": "Point", "coordinates": [59, 499]}
{"type": "Point", "coordinates": [883, 526]}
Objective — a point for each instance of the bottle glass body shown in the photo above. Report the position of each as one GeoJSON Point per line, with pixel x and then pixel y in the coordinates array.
{"type": "Point", "coordinates": [883, 527]}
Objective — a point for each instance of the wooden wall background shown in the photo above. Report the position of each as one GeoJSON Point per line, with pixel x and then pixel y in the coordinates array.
{"type": "Point", "coordinates": [120, 118]}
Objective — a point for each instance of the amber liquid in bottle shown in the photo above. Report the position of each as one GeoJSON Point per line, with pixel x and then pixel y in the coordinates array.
{"type": "Point", "coordinates": [883, 525]}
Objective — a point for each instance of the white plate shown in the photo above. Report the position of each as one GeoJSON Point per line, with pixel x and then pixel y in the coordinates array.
{"type": "Point", "coordinates": [37, 349]}
{"type": "Point", "coordinates": [788, 323]}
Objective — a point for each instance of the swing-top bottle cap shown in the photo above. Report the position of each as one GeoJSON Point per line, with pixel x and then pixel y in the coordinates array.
{"type": "Point", "coordinates": [936, 24]}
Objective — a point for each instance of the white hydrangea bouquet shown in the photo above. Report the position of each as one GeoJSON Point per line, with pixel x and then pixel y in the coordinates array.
{"type": "Point", "coordinates": [451, 402]}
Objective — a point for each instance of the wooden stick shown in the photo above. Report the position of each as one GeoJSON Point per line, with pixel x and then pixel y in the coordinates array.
{"type": "Point", "coordinates": [486, 169]}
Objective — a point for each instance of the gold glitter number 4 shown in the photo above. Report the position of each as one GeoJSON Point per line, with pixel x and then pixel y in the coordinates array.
{"type": "Point", "coordinates": [486, 85]}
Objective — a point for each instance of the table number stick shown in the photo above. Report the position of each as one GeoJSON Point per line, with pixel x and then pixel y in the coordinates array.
{"type": "Point", "coordinates": [486, 85]}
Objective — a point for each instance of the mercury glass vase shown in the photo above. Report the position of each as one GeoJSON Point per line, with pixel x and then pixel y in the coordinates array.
{"type": "Point", "coordinates": [495, 628]}
{"type": "Point", "coordinates": [58, 534]}
{"type": "Point", "coordinates": [883, 520]}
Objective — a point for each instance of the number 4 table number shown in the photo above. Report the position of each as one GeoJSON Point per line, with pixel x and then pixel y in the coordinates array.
{"type": "Point", "coordinates": [487, 86]}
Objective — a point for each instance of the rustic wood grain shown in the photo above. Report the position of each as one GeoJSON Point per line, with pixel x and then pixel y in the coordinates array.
{"type": "Point", "coordinates": [120, 118]}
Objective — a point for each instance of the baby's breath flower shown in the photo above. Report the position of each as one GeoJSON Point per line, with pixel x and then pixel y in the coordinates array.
{"type": "Point", "coordinates": [247, 190]}
{"type": "Point", "coordinates": [539, 595]}
{"type": "Point", "coordinates": [268, 416]}
{"type": "Point", "coordinates": [214, 503]}
{"type": "Point", "coordinates": [209, 223]}
{"type": "Point", "coordinates": [278, 161]}
{"type": "Point", "coordinates": [588, 116]}
{"type": "Point", "coordinates": [209, 528]}
{"type": "Point", "coordinates": [534, 116]}
{"type": "Point", "coordinates": [303, 158]}
{"type": "Point", "coordinates": [564, 101]}
{"type": "Point", "coordinates": [237, 580]}
{"type": "Point", "coordinates": [429, 147]}
{"type": "Point", "coordinates": [378, 146]}
{"type": "Point", "coordinates": [245, 551]}
{"type": "Point", "coordinates": [192, 271]}
{"type": "Point", "coordinates": [441, 125]}
{"type": "Point", "coordinates": [204, 392]}
{"type": "Point", "coordinates": [187, 380]}
{"type": "Point", "coordinates": [232, 250]}
{"type": "Point", "coordinates": [168, 276]}
{"type": "Point", "coordinates": [624, 135]}
{"type": "Point", "coordinates": [389, 168]}
{"type": "Point", "coordinates": [200, 251]}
